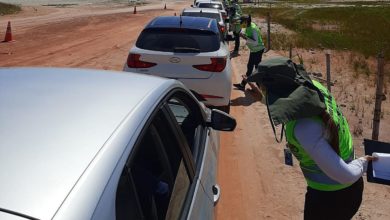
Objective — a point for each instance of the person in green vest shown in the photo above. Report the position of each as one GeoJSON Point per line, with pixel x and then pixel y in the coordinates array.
{"type": "Point", "coordinates": [255, 44]}
{"type": "Point", "coordinates": [227, 3]}
{"type": "Point", "coordinates": [318, 135]}
{"type": "Point", "coordinates": [235, 25]}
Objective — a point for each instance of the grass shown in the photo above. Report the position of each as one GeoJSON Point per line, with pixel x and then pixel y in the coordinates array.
{"type": "Point", "coordinates": [8, 9]}
{"type": "Point", "coordinates": [362, 29]}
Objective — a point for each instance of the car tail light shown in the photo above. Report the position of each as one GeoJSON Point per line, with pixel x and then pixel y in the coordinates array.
{"type": "Point", "coordinates": [216, 65]}
{"type": "Point", "coordinates": [205, 96]}
{"type": "Point", "coordinates": [133, 61]}
{"type": "Point", "coordinates": [222, 29]}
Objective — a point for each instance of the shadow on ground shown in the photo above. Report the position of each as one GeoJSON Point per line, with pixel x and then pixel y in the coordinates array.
{"type": "Point", "coordinates": [247, 100]}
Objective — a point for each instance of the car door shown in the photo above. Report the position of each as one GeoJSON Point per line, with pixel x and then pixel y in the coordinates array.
{"type": "Point", "coordinates": [162, 176]}
{"type": "Point", "coordinates": [203, 143]}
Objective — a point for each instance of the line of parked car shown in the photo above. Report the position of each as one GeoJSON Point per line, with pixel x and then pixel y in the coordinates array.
{"type": "Point", "coordinates": [92, 144]}
{"type": "Point", "coordinates": [191, 48]}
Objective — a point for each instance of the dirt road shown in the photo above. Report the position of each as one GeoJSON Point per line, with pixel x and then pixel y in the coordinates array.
{"type": "Point", "coordinates": [254, 181]}
{"type": "Point", "coordinates": [85, 37]}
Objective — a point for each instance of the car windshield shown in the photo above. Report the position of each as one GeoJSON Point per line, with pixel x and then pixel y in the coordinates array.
{"type": "Point", "coordinates": [203, 14]}
{"type": "Point", "coordinates": [210, 5]}
{"type": "Point", "coordinates": [178, 40]}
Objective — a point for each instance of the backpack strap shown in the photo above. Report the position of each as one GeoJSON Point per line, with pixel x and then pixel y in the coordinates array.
{"type": "Point", "coordinates": [273, 125]}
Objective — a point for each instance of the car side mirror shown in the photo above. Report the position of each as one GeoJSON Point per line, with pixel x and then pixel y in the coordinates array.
{"type": "Point", "coordinates": [221, 121]}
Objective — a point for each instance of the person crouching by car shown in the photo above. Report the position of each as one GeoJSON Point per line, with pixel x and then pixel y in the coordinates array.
{"type": "Point", "coordinates": [252, 35]}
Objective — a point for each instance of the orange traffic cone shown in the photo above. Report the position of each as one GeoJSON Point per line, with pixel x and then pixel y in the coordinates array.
{"type": "Point", "coordinates": [165, 6]}
{"type": "Point", "coordinates": [135, 10]}
{"type": "Point", "coordinates": [8, 33]}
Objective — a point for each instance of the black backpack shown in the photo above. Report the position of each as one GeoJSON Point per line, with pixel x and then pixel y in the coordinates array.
{"type": "Point", "coordinates": [290, 93]}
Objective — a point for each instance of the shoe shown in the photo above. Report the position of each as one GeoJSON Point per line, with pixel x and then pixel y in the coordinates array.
{"type": "Point", "coordinates": [239, 86]}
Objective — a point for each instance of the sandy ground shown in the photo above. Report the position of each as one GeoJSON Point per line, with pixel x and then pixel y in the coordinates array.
{"type": "Point", "coordinates": [255, 182]}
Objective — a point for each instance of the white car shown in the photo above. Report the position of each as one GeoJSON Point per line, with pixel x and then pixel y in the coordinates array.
{"type": "Point", "coordinates": [212, 4]}
{"type": "Point", "coordinates": [189, 49]}
{"type": "Point", "coordinates": [90, 144]}
{"type": "Point", "coordinates": [207, 13]}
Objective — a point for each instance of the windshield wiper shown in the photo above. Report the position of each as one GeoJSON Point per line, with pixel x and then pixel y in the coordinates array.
{"type": "Point", "coordinates": [186, 50]}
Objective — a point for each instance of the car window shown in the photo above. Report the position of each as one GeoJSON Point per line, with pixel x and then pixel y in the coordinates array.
{"type": "Point", "coordinates": [191, 123]}
{"type": "Point", "coordinates": [178, 40]}
{"type": "Point", "coordinates": [210, 5]}
{"type": "Point", "coordinates": [203, 14]}
{"type": "Point", "coordinates": [155, 182]}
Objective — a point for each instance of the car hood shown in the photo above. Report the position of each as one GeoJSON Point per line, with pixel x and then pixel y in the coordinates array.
{"type": "Point", "coordinates": [53, 124]}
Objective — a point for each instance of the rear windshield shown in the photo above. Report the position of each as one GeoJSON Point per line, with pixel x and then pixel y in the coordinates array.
{"type": "Point", "coordinates": [210, 5]}
{"type": "Point", "coordinates": [203, 14]}
{"type": "Point", "coordinates": [178, 40]}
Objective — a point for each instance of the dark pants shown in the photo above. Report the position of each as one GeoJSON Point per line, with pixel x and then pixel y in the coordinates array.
{"type": "Point", "coordinates": [253, 62]}
{"type": "Point", "coordinates": [236, 41]}
{"type": "Point", "coordinates": [334, 205]}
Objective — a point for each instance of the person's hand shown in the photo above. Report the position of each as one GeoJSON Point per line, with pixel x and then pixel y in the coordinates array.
{"type": "Point", "coordinates": [162, 188]}
{"type": "Point", "coordinates": [370, 158]}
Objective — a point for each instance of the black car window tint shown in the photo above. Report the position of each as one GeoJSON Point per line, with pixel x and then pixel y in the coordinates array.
{"type": "Point", "coordinates": [127, 203]}
{"type": "Point", "coordinates": [178, 40]}
{"type": "Point", "coordinates": [156, 173]}
{"type": "Point", "coordinates": [203, 15]}
{"type": "Point", "coordinates": [186, 119]}
{"type": "Point", "coordinates": [181, 182]}
{"type": "Point", "coordinates": [141, 179]}
{"type": "Point", "coordinates": [210, 5]}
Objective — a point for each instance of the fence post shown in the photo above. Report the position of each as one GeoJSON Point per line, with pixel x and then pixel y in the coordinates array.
{"type": "Point", "coordinates": [269, 31]}
{"type": "Point", "coordinates": [378, 97]}
{"type": "Point", "coordinates": [328, 71]}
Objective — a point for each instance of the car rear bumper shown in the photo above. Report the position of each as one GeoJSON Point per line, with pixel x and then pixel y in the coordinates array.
{"type": "Point", "coordinates": [216, 90]}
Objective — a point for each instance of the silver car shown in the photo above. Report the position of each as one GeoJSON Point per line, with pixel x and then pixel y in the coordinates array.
{"type": "Point", "coordinates": [89, 144]}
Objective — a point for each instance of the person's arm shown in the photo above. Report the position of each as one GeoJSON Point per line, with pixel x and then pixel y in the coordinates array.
{"type": "Point", "coordinates": [252, 42]}
{"type": "Point", "coordinates": [310, 135]}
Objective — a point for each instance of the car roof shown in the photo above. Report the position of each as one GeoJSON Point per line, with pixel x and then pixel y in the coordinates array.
{"type": "Point", "coordinates": [55, 121]}
{"type": "Point", "coordinates": [208, 1]}
{"type": "Point", "coordinates": [187, 22]}
{"type": "Point", "coordinates": [207, 10]}
{"type": "Point", "coordinates": [211, 2]}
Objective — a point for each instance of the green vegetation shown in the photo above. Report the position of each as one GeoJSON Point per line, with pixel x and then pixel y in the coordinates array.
{"type": "Point", "coordinates": [8, 9]}
{"type": "Point", "coordinates": [361, 29]}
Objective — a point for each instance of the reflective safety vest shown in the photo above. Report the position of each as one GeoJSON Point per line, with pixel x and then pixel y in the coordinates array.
{"type": "Point", "coordinates": [228, 2]}
{"type": "Point", "coordinates": [237, 7]}
{"type": "Point", "coordinates": [249, 33]}
{"type": "Point", "coordinates": [314, 176]}
{"type": "Point", "coordinates": [235, 19]}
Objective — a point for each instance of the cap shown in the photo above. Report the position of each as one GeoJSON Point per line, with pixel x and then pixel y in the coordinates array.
{"type": "Point", "coordinates": [244, 18]}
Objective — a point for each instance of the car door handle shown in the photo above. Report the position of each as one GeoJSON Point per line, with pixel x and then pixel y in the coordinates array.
{"type": "Point", "coordinates": [216, 192]}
